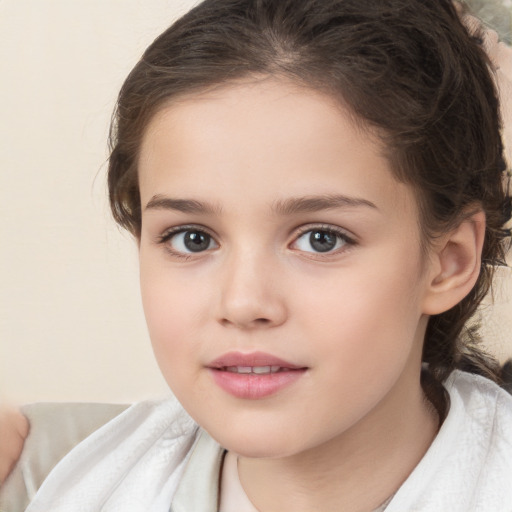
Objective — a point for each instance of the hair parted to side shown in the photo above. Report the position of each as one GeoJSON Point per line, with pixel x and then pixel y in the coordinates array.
{"type": "Point", "coordinates": [407, 69]}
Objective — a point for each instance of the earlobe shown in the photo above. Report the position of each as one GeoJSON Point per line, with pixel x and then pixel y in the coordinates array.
{"type": "Point", "coordinates": [455, 265]}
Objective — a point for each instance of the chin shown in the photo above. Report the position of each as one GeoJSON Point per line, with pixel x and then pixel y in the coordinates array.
{"type": "Point", "coordinates": [258, 445]}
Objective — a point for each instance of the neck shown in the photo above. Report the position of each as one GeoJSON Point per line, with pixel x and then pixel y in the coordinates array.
{"type": "Point", "coordinates": [358, 470]}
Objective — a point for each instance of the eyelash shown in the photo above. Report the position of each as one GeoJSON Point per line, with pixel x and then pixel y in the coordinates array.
{"type": "Point", "coordinates": [329, 229]}
{"type": "Point", "coordinates": [171, 233]}
{"type": "Point", "coordinates": [339, 233]}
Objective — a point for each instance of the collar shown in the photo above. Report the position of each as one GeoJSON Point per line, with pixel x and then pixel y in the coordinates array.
{"type": "Point", "coordinates": [198, 489]}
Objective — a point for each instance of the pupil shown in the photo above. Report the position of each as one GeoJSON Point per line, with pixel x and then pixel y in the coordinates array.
{"type": "Point", "coordinates": [195, 241]}
{"type": "Point", "coordinates": [322, 241]}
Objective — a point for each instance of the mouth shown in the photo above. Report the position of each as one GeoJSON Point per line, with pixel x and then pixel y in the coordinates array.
{"type": "Point", "coordinates": [253, 376]}
{"type": "Point", "coordinates": [253, 362]}
{"type": "Point", "coordinates": [255, 370]}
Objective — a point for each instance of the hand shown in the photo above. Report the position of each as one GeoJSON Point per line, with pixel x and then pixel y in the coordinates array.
{"type": "Point", "coordinates": [14, 429]}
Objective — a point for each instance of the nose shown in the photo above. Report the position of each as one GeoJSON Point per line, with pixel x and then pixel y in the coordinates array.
{"type": "Point", "coordinates": [250, 294]}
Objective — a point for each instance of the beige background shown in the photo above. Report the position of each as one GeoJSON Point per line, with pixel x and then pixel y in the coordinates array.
{"type": "Point", "coordinates": [71, 324]}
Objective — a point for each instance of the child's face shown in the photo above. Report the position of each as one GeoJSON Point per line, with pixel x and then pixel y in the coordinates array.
{"type": "Point", "coordinates": [272, 227]}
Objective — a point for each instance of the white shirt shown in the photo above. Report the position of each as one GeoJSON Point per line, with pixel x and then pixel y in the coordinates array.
{"type": "Point", "coordinates": [152, 457]}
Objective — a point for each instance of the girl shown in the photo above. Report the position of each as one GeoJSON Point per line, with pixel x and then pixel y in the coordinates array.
{"type": "Point", "coordinates": [318, 193]}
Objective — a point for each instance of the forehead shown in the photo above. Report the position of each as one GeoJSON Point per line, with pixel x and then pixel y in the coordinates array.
{"type": "Point", "coordinates": [264, 140]}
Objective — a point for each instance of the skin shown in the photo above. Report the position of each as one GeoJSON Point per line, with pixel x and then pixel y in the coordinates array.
{"type": "Point", "coordinates": [13, 431]}
{"type": "Point", "coordinates": [355, 316]}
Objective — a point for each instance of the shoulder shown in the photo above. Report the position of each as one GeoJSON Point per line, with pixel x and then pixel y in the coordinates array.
{"type": "Point", "coordinates": [134, 458]}
{"type": "Point", "coordinates": [483, 401]}
{"type": "Point", "coordinates": [480, 419]}
{"type": "Point", "coordinates": [77, 438]}
{"type": "Point", "coordinates": [469, 464]}
{"type": "Point", "coordinates": [481, 438]}
{"type": "Point", "coordinates": [55, 428]}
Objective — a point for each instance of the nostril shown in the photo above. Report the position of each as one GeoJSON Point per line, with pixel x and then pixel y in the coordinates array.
{"type": "Point", "coordinates": [257, 322]}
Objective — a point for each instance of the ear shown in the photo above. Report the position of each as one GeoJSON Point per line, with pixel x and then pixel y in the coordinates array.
{"type": "Point", "coordinates": [454, 265]}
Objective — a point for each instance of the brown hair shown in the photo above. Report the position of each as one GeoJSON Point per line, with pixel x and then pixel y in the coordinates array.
{"type": "Point", "coordinates": [407, 69]}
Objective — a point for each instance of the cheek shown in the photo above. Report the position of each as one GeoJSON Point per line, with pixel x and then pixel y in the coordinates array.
{"type": "Point", "coordinates": [368, 315]}
{"type": "Point", "coordinates": [366, 334]}
{"type": "Point", "coordinates": [172, 312]}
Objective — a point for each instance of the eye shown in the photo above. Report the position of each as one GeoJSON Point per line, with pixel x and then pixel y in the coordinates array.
{"type": "Point", "coordinates": [188, 241]}
{"type": "Point", "coordinates": [320, 240]}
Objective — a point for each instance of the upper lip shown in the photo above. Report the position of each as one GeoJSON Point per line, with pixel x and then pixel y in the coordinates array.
{"type": "Point", "coordinates": [251, 359]}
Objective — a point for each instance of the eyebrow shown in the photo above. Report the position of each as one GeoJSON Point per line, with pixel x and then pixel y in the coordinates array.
{"type": "Point", "coordinates": [310, 204]}
{"type": "Point", "coordinates": [307, 204]}
{"type": "Point", "coordinates": [159, 202]}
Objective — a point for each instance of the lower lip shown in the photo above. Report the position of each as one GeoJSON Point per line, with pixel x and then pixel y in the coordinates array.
{"type": "Point", "coordinates": [253, 387]}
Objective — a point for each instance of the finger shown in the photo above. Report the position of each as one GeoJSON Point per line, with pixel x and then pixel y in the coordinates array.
{"type": "Point", "coordinates": [22, 424]}
{"type": "Point", "coordinates": [5, 469]}
{"type": "Point", "coordinates": [10, 452]}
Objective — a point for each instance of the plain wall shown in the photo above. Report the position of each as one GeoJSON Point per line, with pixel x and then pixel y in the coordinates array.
{"type": "Point", "coordinates": [71, 322]}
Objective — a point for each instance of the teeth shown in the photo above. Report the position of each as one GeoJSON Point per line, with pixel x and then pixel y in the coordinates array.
{"type": "Point", "coordinates": [261, 369]}
{"type": "Point", "coordinates": [257, 370]}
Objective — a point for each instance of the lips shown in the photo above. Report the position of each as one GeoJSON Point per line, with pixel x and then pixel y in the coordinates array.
{"type": "Point", "coordinates": [252, 360]}
{"type": "Point", "coordinates": [257, 370]}
{"type": "Point", "coordinates": [253, 376]}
